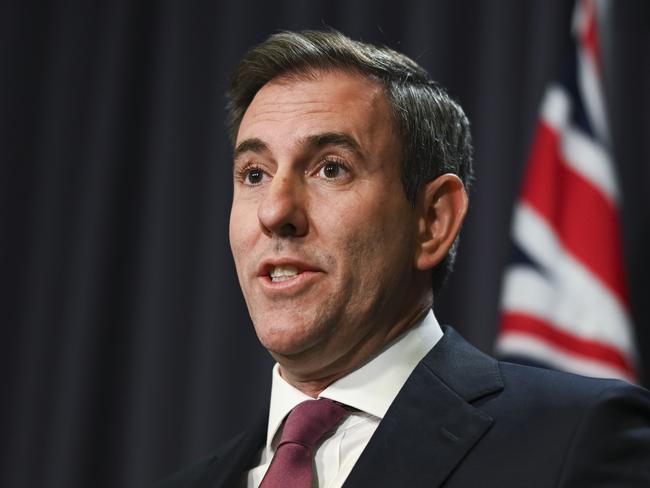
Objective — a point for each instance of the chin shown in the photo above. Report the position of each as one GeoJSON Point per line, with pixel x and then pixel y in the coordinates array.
{"type": "Point", "coordinates": [287, 337]}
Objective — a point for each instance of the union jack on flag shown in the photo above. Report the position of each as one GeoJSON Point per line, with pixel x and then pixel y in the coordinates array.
{"type": "Point", "coordinates": [564, 299]}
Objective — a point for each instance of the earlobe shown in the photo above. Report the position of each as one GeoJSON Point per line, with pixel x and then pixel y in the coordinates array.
{"type": "Point", "coordinates": [442, 205]}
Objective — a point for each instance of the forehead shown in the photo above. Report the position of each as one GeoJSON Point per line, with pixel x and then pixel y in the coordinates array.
{"type": "Point", "coordinates": [332, 101]}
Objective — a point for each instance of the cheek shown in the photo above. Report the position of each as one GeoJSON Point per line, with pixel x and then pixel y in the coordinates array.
{"type": "Point", "coordinates": [243, 218]}
{"type": "Point", "coordinates": [381, 245]}
{"type": "Point", "coordinates": [240, 237]}
{"type": "Point", "coordinates": [363, 238]}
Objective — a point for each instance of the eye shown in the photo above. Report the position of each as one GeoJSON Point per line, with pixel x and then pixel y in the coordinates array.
{"type": "Point", "coordinates": [254, 176]}
{"type": "Point", "coordinates": [332, 170]}
{"type": "Point", "coordinates": [251, 175]}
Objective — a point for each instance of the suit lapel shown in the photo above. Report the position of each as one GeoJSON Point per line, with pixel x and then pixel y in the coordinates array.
{"type": "Point", "coordinates": [432, 424]}
{"type": "Point", "coordinates": [235, 457]}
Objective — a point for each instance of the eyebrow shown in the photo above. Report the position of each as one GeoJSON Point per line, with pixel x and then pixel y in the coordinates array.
{"type": "Point", "coordinates": [340, 139]}
{"type": "Point", "coordinates": [315, 141]}
{"type": "Point", "coordinates": [250, 145]}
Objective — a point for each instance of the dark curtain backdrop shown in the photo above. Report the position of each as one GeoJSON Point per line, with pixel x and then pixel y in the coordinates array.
{"type": "Point", "coordinates": [126, 348]}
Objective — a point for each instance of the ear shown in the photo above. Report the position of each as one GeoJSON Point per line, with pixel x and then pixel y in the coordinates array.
{"type": "Point", "coordinates": [441, 205]}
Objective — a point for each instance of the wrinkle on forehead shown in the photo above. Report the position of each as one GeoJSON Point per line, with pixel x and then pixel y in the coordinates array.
{"type": "Point", "coordinates": [288, 109]}
{"type": "Point", "coordinates": [266, 110]}
{"type": "Point", "coordinates": [297, 97]}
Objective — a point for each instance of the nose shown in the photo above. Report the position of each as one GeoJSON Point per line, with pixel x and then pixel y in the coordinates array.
{"type": "Point", "coordinates": [282, 211]}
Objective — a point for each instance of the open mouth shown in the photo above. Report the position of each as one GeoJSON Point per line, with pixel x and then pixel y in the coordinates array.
{"type": "Point", "coordinates": [282, 273]}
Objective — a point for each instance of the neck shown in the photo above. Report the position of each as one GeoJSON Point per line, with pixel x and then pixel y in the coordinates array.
{"type": "Point", "coordinates": [313, 382]}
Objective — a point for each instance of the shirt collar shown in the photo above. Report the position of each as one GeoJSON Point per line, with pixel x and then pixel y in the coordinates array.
{"type": "Point", "coordinates": [371, 388]}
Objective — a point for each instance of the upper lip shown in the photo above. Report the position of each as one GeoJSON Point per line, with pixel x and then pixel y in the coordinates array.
{"type": "Point", "coordinates": [267, 265]}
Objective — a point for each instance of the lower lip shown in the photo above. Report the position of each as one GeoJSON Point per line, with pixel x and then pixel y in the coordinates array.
{"type": "Point", "coordinates": [293, 285]}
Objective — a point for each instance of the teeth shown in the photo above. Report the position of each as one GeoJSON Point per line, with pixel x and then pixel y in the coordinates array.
{"type": "Point", "coordinates": [283, 273]}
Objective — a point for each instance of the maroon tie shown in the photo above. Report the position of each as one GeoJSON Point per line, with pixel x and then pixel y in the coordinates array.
{"type": "Point", "coordinates": [307, 423]}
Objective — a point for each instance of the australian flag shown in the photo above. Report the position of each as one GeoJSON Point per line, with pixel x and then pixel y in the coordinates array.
{"type": "Point", "coordinates": [565, 302]}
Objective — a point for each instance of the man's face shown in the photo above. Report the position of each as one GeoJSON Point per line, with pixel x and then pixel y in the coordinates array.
{"type": "Point", "coordinates": [322, 234]}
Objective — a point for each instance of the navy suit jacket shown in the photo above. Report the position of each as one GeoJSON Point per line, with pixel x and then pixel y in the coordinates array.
{"type": "Point", "coordinates": [464, 419]}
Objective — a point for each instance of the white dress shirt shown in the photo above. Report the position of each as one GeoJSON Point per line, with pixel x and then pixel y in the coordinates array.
{"type": "Point", "coordinates": [370, 389]}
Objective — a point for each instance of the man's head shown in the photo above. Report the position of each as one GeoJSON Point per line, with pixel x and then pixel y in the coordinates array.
{"type": "Point", "coordinates": [340, 212]}
{"type": "Point", "coordinates": [433, 129]}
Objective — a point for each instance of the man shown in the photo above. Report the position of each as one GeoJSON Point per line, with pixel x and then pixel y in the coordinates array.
{"type": "Point", "coordinates": [350, 176]}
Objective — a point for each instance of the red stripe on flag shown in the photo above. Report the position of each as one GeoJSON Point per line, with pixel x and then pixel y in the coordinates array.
{"type": "Point", "coordinates": [589, 35]}
{"type": "Point", "coordinates": [585, 221]}
{"type": "Point", "coordinates": [569, 343]}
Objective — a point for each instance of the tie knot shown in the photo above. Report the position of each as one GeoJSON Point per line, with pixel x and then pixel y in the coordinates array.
{"type": "Point", "coordinates": [310, 420]}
